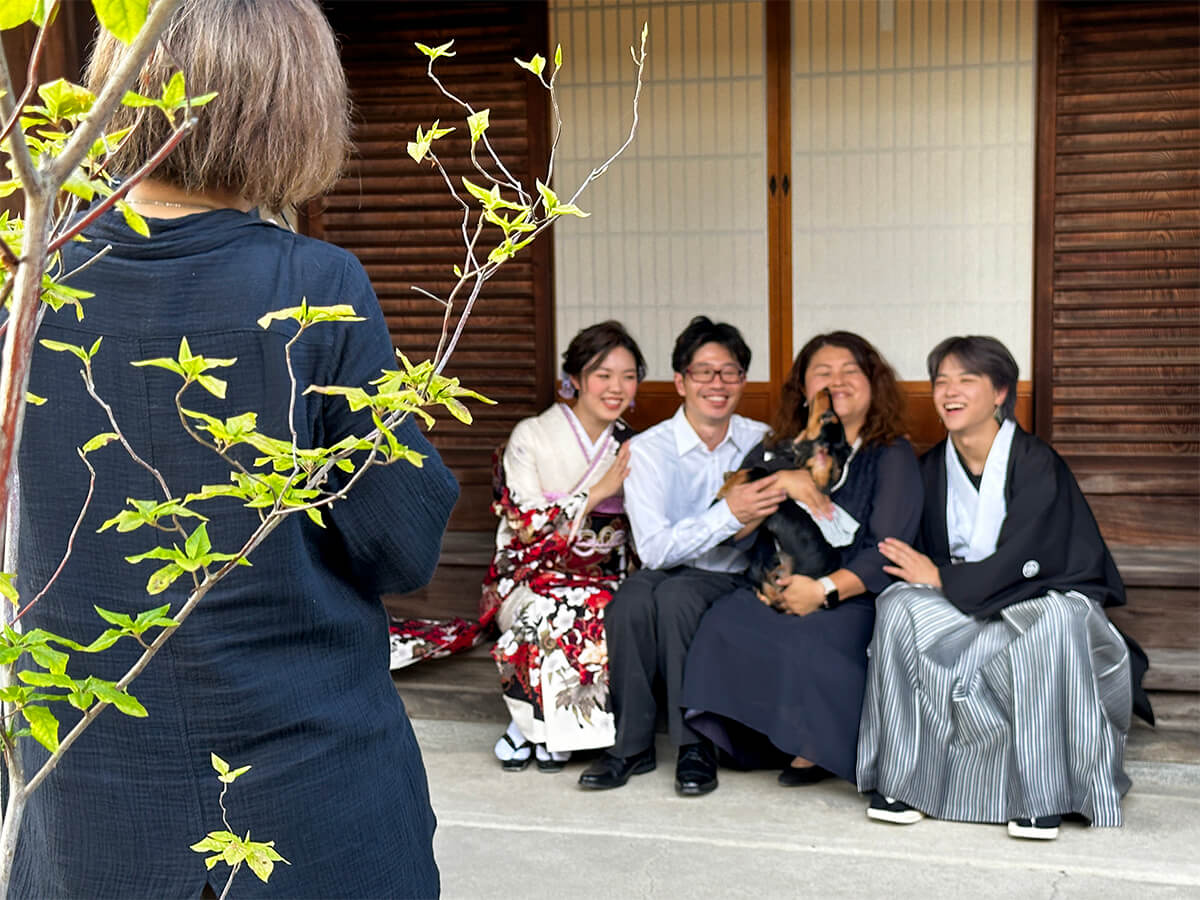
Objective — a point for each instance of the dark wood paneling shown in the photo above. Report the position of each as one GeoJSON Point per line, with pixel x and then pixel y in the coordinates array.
{"type": "Point", "coordinates": [1117, 267]}
{"type": "Point", "coordinates": [401, 222]}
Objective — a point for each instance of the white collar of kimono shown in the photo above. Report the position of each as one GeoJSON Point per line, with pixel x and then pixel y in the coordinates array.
{"type": "Point", "coordinates": [974, 517]}
{"type": "Point", "coordinates": [593, 451]}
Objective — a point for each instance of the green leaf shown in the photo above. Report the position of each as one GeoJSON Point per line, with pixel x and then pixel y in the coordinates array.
{"type": "Point", "coordinates": [478, 123]}
{"type": "Point", "coordinates": [101, 440]}
{"type": "Point", "coordinates": [163, 578]}
{"type": "Point", "coordinates": [215, 386]}
{"type": "Point", "coordinates": [8, 589]}
{"type": "Point", "coordinates": [60, 347]}
{"type": "Point", "coordinates": [435, 52]}
{"type": "Point", "coordinates": [121, 700]}
{"type": "Point", "coordinates": [124, 18]}
{"type": "Point", "coordinates": [483, 195]}
{"type": "Point", "coordinates": [161, 363]}
{"type": "Point", "coordinates": [549, 198]}
{"type": "Point", "coordinates": [152, 617]}
{"type": "Point", "coordinates": [48, 679]}
{"type": "Point", "coordinates": [114, 618]}
{"type": "Point", "coordinates": [208, 844]}
{"type": "Point", "coordinates": [65, 100]}
{"type": "Point", "coordinates": [54, 661]}
{"type": "Point", "coordinates": [457, 409]}
{"type": "Point", "coordinates": [198, 543]}
{"type": "Point", "coordinates": [535, 65]}
{"type": "Point", "coordinates": [305, 314]}
{"type": "Point", "coordinates": [558, 56]}
{"type": "Point", "coordinates": [106, 639]}
{"type": "Point", "coordinates": [219, 765]}
{"type": "Point", "coordinates": [569, 209]}
{"type": "Point", "coordinates": [174, 93]}
{"type": "Point", "coordinates": [43, 726]}
{"type": "Point", "coordinates": [14, 13]}
{"type": "Point", "coordinates": [133, 220]}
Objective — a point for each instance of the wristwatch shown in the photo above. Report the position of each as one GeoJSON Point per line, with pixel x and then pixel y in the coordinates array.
{"type": "Point", "coordinates": [831, 592]}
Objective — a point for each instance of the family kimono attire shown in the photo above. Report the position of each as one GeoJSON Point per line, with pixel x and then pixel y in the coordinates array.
{"type": "Point", "coordinates": [554, 571]}
{"type": "Point", "coordinates": [766, 686]}
{"type": "Point", "coordinates": [283, 665]}
{"type": "Point", "coordinates": [1006, 694]}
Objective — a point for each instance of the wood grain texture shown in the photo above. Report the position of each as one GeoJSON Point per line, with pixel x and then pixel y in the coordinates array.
{"type": "Point", "coordinates": [401, 222]}
{"type": "Point", "coordinates": [1117, 283]}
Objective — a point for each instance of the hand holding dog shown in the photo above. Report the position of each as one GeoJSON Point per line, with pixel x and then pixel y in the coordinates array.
{"type": "Point", "coordinates": [800, 487]}
{"type": "Point", "coordinates": [908, 564]}
{"type": "Point", "coordinates": [755, 500]}
{"type": "Point", "coordinates": [799, 595]}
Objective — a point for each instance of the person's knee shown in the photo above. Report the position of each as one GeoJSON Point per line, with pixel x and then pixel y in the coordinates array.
{"type": "Point", "coordinates": [1065, 616]}
{"type": "Point", "coordinates": [678, 604]}
{"type": "Point", "coordinates": [894, 608]}
{"type": "Point", "coordinates": [632, 605]}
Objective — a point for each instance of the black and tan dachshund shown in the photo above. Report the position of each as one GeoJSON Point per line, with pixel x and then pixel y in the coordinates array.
{"type": "Point", "coordinates": [790, 542]}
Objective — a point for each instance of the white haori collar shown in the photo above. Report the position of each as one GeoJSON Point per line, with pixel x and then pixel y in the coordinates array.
{"type": "Point", "coordinates": [974, 518]}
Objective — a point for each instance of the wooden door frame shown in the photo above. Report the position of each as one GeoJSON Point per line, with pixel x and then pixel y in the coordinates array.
{"type": "Point", "coordinates": [1045, 112]}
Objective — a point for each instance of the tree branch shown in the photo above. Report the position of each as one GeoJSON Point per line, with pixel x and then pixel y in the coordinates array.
{"type": "Point", "coordinates": [114, 91]}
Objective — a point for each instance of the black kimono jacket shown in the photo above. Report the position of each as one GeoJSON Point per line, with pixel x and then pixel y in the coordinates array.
{"type": "Point", "coordinates": [1049, 541]}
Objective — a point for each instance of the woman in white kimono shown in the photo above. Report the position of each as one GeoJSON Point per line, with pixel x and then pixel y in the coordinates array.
{"type": "Point", "coordinates": [997, 689]}
{"type": "Point", "coordinates": [561, 550]}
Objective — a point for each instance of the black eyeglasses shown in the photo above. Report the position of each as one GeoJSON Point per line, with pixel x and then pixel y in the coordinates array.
{"type": "Point", "coordinates": [705, 374]}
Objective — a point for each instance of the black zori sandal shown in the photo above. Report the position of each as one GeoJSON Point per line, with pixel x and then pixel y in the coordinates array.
{"type": "Point", "coordinates": [517, 763]}
{"type": "Point", "coordinates": [549, 765]}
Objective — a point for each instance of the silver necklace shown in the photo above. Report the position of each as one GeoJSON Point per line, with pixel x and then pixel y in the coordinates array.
{"type": "Point", "coordinates": [172, 204]}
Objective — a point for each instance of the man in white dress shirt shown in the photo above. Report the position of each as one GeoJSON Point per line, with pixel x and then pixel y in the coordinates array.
{"type": "Point", "coordinates": [682, 537]}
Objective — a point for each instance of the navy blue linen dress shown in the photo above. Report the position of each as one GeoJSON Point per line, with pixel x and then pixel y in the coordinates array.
{"type": "Point", "coordinates": [284, 665]}
{"type": "Point", "coordinates": [766, 686]}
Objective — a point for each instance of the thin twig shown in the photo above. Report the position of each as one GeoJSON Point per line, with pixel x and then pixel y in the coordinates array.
{"type": "Point", "coordinates": [103, 252]}
{"type": "Point", "coordinates": [19, 147]}
{"type": "Point", "coordinates": [87, 501]}
{"type": "Point", "coordinates": [114, 91]}
{"type": "Point", "coordinates": [128, 184]}
{"type": "Point", "coordinates": [112, 420]}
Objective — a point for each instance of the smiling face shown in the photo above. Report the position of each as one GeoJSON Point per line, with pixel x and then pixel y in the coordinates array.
{"type": "Point", "coordinates": [965, 401]}
{"type": "Point", "coordinates": [836, 368]}
{"type": "Point", "coordinates": [605, 388]}
{"type": "Point", "coordinates": [710, 403]}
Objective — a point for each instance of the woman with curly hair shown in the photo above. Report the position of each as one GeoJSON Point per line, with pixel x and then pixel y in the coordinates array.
{"type": "Point", "coordinates": [784, 686]}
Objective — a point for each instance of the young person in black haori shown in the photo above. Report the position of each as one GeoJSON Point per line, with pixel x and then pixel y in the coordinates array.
{"type": "Point", "coordinates": [784, 687]}
{"type": "Point", "coordinates": [998, 691]}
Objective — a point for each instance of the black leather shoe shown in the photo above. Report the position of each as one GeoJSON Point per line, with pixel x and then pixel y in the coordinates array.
{"type": "Point", "coordinates": [796, 776]}
{"type": "Point", "coordinates": [696, 771]}
{"type": "Point", "coordinates": [613, 771]}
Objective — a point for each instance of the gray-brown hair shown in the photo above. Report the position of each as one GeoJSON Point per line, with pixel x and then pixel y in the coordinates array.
{"type": "Point", "coordinates": [277, 133]}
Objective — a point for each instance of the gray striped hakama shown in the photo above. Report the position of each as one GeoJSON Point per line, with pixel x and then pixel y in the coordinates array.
{"type": "Point", "coordinates": [992, 720]}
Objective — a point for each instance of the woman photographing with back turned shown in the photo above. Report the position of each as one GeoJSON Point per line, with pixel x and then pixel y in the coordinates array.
{"type": "Point", "coordinates": [998, 691]}
{"type": "Point", "coordinates": [283, 665]}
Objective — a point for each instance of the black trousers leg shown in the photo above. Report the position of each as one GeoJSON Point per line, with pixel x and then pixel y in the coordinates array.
{"type": "Point", "coordinates": [681, 601]}
{"type": "Point", "coordinates": [630, 627]}
{"type": "Point", "coordinates": [649, 625]}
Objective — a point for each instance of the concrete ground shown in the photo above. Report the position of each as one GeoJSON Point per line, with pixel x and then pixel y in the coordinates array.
{"type": "Point", "coordinates": [509, 835]}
